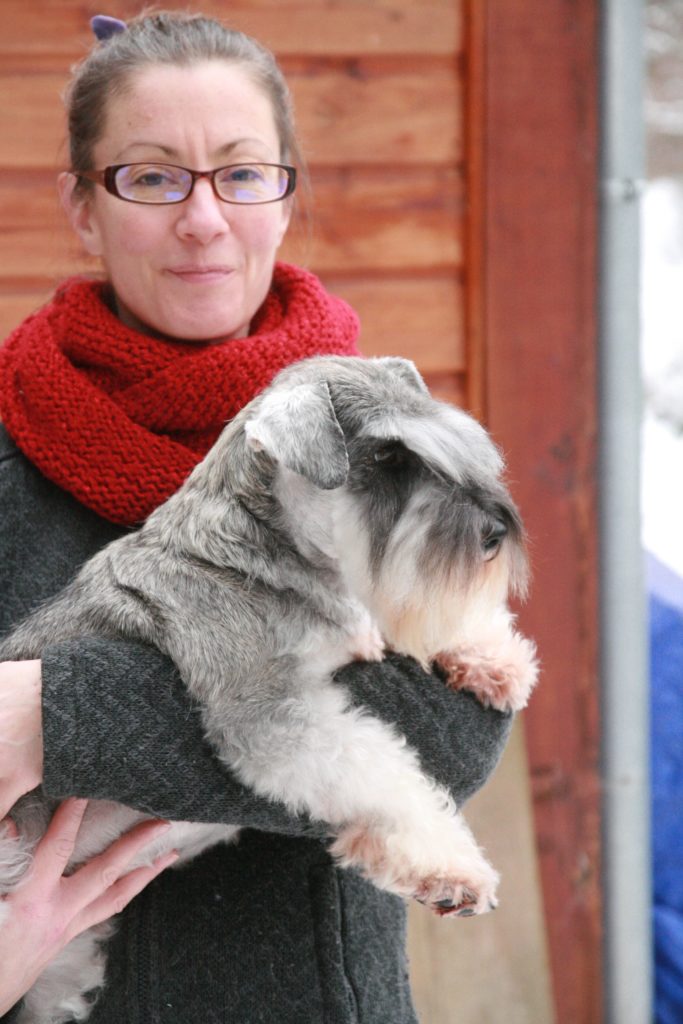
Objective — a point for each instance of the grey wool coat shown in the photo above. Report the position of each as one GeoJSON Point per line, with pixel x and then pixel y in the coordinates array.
{"type": "Point", "coordinates": [267, 930]}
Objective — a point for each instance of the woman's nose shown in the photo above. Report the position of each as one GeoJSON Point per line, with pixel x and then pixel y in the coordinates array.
{"type": "Point", "coordinates": [203, 215]}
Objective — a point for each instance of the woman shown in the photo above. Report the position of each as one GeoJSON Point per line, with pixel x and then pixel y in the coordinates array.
{"type": "Point", "coordinates": [182, 154]}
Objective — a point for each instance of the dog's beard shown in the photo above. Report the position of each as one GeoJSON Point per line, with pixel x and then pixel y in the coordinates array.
{"type": "Point", "coordinates": [421, 618]}
{"type": "Point", "coordinates": [419, 612]}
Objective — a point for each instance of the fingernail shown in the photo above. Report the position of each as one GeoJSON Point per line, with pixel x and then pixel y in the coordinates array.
{"type": "Point", "coordinates": [77, 804]}
{"type": "Point", "coordinates": [167, 859]}
{"type": "Point", "coordinates": [154, 829]}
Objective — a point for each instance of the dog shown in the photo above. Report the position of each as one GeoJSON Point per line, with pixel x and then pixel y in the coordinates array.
{"type": "Point", "coordinates": [342, 512]}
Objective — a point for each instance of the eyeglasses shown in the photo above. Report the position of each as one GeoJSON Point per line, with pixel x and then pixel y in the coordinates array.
{"type": "Point", "coordinates": [160, 184]}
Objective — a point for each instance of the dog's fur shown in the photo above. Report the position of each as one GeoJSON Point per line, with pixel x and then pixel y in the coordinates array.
{"type": "Point", "coordinates": [342, 509]}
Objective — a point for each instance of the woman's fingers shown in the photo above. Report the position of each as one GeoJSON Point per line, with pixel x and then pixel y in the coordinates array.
{"type": "Point", "coordinates": [100, 887]}
{"type": "Point", "coordinates": [48, 909]}
{"type": "Point", "coordinates": [55, 851]}
{"type": "Point", "coordinates": [21, 743]}
{"type": "Point", "coordinates": [102, 872]}
{"type": "Point", "coordinates": [120, 893]}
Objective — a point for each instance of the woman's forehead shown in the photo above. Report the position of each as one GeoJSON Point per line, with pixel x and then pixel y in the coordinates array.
{"type": "Point", "coordinates": [215, 105]}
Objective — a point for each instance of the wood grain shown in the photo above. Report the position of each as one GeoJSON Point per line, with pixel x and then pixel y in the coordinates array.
{"type": "Point", "coordinates": [495, 966]}
{"type": "Point", "coordinates": [389, 219]}
{"type": "Point", "coordinates": [60, 27]}
{"type": "Point", "coordinates": [17, 305]}
{"type": "Point", "coordinates": [350, 112]}
{"type": "Point", "coordinates": [535, 305]}
{"type": "Point", "coordinates": [365, 221]}
{"type": "Point", "coordinates": [383, 91]}
{"type": "Point", "coordinates": [417, 318]}
{"type": "Point", "coordinates": [378, 92]}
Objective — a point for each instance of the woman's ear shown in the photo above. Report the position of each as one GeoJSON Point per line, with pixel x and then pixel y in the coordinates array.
{"type": "Point", "coordinates": [79, 211]}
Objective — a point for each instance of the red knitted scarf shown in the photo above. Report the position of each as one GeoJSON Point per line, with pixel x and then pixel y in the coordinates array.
{"type": "Point", "coordinates": [118, 418]}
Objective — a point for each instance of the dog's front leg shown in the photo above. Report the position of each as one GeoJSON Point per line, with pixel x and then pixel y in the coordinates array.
{"type": "Point", "coordinates": [345, 767]}
{"type": "Point", "coordinates": [495, 663]}
{"type": "Point", "coordinates": [365, 641]}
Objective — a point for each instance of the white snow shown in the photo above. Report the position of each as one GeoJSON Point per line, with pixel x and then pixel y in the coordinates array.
{"type": "Point", "coordinates": [662, 366]}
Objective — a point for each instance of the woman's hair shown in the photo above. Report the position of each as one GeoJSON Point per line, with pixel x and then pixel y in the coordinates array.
{"type": "Point", "coordinates": [164, 37]}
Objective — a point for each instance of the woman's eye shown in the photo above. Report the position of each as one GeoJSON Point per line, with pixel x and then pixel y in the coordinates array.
{"type": "Point", "coordinates": [492, 539]}
{"type": "Point", "coordinates": [152, 180]}
{"type": "Point", "coordinates": [245, 174]}
{"type": "Point", "coordinates": [152, 177]}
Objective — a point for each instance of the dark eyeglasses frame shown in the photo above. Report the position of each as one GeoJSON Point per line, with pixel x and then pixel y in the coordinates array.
{"type": "Point", "coordinates": [107, 178]}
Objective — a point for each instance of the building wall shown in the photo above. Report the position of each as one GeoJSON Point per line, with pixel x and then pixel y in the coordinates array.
{"type": "Point", "coordinates": [453, 152]}
{"type": "Point", "coordinates": [378, 94]}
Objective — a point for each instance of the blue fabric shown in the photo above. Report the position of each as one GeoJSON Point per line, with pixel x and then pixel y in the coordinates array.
{"type": "Point", "coordinates": [666, 674]}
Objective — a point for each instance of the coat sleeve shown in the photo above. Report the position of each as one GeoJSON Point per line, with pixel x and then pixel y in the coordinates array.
{"type": "Point", "coordinates": [119, 724]}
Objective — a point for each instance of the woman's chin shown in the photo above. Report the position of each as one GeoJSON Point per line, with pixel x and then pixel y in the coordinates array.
{"type": "Point", "coordinates": [198, 327]}
{"type": "Point", "coordinates": [211, 330]}
{"type": "Point", "coordinates": [200, 334]}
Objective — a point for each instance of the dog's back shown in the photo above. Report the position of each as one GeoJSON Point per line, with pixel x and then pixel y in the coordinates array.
{"type": "Point", "coordinates": [343, 497]}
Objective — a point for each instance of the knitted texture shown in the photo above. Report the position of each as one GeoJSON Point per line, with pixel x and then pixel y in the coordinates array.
{"type": "Point", "coordinates": [119, 418]}
{"type": "Point", "coordinates": [266, 931]}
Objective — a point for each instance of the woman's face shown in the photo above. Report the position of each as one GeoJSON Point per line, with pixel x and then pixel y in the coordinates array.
{"type": "Point", "coordinates": [197, 270]}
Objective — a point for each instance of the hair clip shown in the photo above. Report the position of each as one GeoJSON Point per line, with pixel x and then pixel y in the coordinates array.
{"type": "Point", "coordinates": [105, 27]}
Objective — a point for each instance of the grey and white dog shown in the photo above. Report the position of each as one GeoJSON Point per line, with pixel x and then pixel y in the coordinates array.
{"type": "Point", "coordinates": [342, 510]}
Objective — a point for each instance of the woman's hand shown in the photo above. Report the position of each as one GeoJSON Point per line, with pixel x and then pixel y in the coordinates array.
{"type": "Point", "coordinates": [48, 909]}
{"type": "Point", "coordinates": [21, 740]}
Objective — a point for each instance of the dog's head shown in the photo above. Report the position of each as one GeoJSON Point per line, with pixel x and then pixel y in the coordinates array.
{"type": "Point", "coordinates": [423, 525]}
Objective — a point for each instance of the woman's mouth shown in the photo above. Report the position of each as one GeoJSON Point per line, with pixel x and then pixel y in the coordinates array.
{"type": "Point", "coordinates": [193, 273]}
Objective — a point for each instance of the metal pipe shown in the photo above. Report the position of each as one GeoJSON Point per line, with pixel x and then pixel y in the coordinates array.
{"type": "Point", "coordinates": [624, 655]}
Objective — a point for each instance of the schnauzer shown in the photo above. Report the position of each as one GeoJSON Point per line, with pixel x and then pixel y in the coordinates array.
{"type": "Point", "coordinates": [342, 510]}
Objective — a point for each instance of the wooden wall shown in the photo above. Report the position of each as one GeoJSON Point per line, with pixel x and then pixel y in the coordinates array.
{"type": "Point", "coordinates": [453, 150]}
{"type": "Point", "coordinates": [378, 94]}
{"type": "Point", "coordinates": [535, 305]}
{"type": "Point", "coordinates": [378, 90]}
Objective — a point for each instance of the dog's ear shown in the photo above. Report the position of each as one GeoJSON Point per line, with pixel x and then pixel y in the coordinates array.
{"type": "Point", "coordinates": [406, 370]}
{"type": "Point", "coordinates": [298, 428]}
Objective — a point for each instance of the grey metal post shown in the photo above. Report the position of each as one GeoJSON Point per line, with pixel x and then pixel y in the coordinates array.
{"type": "Point", "coordinates": [624, 663]}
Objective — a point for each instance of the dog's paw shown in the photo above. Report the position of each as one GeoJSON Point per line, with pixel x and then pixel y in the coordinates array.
{"type": "Point", "coordinates": [368, 645]}
{"type": "Point", "coordinates": [459, 897]}
{"type": "Point", "coordinates": [461, 884]}
{"type": "Point", "coordinates": [500, 675]}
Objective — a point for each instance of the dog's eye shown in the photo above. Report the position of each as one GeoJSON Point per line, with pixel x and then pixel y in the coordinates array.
{"type": "Point", "coordinates": [392, 455]}
{"type": "Point", "coordinates": [492, 538]}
